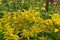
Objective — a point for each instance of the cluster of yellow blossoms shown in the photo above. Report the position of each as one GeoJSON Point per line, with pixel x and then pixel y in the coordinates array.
{"type": "Point", "coordinates": [28, 24]}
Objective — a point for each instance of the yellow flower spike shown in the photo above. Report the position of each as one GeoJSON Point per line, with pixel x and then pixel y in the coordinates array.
{"type": "Point", "coordinates": [16, 37]}
{"type": "Point", "coordinates": [56, 30]}
{"type": "Point", "coordinates": [56, 19]}
{"type": "Point", "coordinates": [48, 22]}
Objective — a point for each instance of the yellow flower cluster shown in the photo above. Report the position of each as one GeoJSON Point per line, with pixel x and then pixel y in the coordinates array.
{"type": "Point", "coordinates": [20, 25]}
{"type": "Point", "coordinates": [56, 19]}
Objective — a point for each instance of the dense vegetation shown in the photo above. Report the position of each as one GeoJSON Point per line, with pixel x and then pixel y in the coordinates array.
{"type": "Point", "coordinates": [27, 20]}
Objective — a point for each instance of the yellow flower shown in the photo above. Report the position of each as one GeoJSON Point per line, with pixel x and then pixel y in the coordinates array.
{"type": "Point", "coordinates": [57, 22]}
{"type": "Point", "coordinates": [56, 19]}
{"type": "Point", "coordinates": [12, 37]}
{"type": "Point", "coordinates": [56, 30]}
{"type": "Point", "coordinates": [16, 37]}
{"type": "Point", "coordinates": [48, 22]}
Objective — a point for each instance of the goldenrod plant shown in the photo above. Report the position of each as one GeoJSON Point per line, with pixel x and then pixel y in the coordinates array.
{"type": "Point", "coordinates": [29, 25]}
{"type": "Point", "coordinates": [27, 20]}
